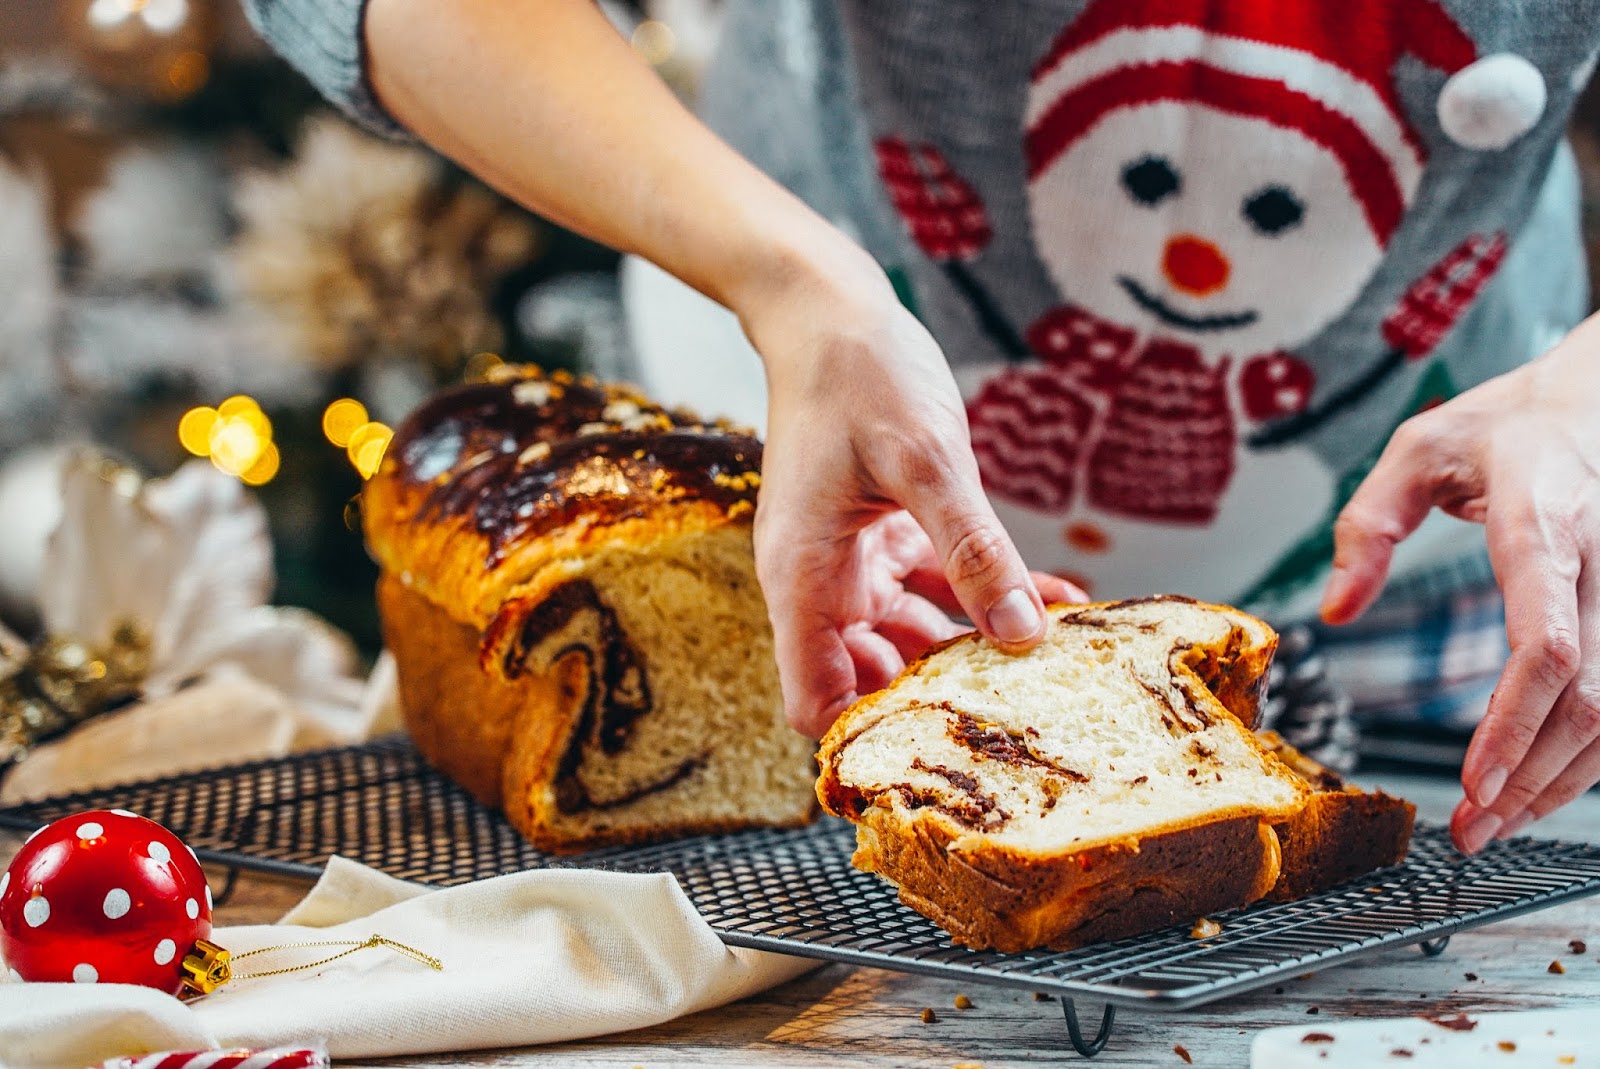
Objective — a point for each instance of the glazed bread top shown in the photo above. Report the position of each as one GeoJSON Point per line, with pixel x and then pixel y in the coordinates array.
{"type": "Point", "coordinates": [487, 488]}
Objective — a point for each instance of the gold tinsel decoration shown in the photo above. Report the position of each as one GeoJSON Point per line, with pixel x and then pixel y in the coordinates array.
{"type": "Point", "coordinates": [366, 250]}
{"type": "Point", "coordinates": [61, 682]}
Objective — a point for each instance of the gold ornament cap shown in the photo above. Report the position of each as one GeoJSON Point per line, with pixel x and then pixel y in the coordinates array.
{"type": "Point", "coordinates": [206, 967]}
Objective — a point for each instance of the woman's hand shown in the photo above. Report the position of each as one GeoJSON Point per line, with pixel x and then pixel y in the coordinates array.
{"type": "Point", "coordinates": [873, 526]}
{"type": "Point", "coordinates": [1521, 455]}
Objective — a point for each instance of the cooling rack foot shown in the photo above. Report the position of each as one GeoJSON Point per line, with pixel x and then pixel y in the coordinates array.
{"type": "Point", "coordinates": [1088, 1047]}
{"type": "Point", "coordinates": [221, 897]}
{"type": "Point", "coordinates": [1434, 947]}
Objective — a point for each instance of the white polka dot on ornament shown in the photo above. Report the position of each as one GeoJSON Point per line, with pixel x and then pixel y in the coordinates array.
{"type": "Point", "coordinates": [192, 908]}
{"type": "Point", "coordinates": [165, 950]}
{"type": "Point", "coordinates": [160, 853]}
{"type": "Point", "coordinates": [91, 829]}
{"type": "Point", "coordinates": [36, 911]}
{"type": "Point", "coordinates": [84, 973]}
{"type": "Point", "coordinates": [117, 903]}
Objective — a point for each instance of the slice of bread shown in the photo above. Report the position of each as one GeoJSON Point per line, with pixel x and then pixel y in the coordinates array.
{"type": "Point", "coordinates": [1105, 783]}
{"type": "Point", "coordinates": [1342, 831]}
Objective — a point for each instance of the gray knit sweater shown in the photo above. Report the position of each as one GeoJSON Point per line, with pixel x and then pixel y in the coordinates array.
{"type": "Point", "coordinates": [1192, 262]}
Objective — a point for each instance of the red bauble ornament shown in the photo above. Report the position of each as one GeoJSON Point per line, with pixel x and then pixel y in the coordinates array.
{"type": "Point", "coordinates": [104, 896]}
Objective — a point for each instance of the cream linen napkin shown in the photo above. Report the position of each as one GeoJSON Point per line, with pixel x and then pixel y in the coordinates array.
{"type": "Point", "coordinates": [535, 957]}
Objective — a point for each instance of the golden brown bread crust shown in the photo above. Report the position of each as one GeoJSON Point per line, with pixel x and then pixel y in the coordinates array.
{"type": "Point", "coordinates": [1341, 833]}
{"type": "Point", "coordinates": [991, 896]}
{"type": "Point", "coordinates": [486, 486]}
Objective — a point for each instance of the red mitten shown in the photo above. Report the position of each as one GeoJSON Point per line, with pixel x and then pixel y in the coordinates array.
{"type": "Point", "coordinates": [1029, 428]}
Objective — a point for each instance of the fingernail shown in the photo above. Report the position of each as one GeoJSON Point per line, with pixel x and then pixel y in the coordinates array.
{"type": "Point", "coordinates": [1490, 784]}
{"type": "Point", "coordinates": [1518, 822]}
{"type": "Point", "coordinates": [1478, 831]}
{"type": "Point", "coordinates": [1013, 618]}
{"type": "Point", "coordinates": [1334, 594]}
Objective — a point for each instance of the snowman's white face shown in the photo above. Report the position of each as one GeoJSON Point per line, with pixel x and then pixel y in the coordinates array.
{"type": "Point", "coordinates": [1230, 233]}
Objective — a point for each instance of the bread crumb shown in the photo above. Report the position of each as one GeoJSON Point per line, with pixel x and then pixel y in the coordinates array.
{"type": "Point", "coordinates": [1400, 1052]}
{"type": "Point", "coordinates": [1470, 975]}
{"type": "Point", "coordinates": [929, 1017]}
{"type": "Point", "coordinates": [1506, 1045]}
{"type": "Point", "coordinates": [963, 1002]}
{"type": "Point", "coordinates": [1577, 946]}
{"type": "Point", "coordinates": [1565, 1059]}
{"type": "Point", "coordinates": [1313, 1009]}
{"type": "Point", "coordinates": [1316, 1037]}
{"type": "Point", "coordinates": [1178, 1049]}
{"type": "Point", "coordinates": [1205, 928]}
{"type": "Point", "coordinates": [1557, 968]}
{"type": "Point", "coordinates": [1459, 1023]}
{"type": "Point", "coordinates": [1040, 996]}
{"type": "Point", "coordinates": [1306, 976]}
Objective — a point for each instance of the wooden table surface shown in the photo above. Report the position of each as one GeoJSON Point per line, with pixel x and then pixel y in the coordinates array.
{"type": "Point", "coordinates": [841, 1015]}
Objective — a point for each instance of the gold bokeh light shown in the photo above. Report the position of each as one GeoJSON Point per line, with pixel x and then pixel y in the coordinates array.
{"type": "Point", "coordinates": [343, 418]}
{"type": "Point", "coordinates": [366, 447]}
{"type": "Point", "coordinates": [236, 435]}
{"type": "Point", "coordinates": [194, 430]}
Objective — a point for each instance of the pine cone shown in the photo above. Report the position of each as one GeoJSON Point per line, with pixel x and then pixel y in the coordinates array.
{"type": "Point", "coordinates": [1310, 711]}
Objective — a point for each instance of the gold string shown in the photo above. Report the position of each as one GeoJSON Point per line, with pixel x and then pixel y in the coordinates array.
{"type": "Point", "coordinates": [351, 946]}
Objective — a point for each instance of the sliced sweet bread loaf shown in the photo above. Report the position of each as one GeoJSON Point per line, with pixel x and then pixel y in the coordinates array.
{"type": "Point", "coordinates": [1102, 784]}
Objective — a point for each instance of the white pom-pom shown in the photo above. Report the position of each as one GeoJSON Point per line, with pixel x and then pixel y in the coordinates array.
{"type": "Point", "coordinates": [1489, 104]}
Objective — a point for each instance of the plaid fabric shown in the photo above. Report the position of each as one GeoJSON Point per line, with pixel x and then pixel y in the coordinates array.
{"type": "Point", "coordinates": [1434, 661]}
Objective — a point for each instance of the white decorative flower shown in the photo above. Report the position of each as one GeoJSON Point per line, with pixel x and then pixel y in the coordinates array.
{"type": "Point", "coordinates": [188, 562]}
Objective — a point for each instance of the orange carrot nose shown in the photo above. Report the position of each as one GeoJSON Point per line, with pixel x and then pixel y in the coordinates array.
{"type": "Point", "coordinates": [1194, 265]}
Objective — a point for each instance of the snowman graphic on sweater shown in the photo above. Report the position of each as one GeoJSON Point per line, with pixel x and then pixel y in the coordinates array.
{"type": "Point", "coordinates": [1209, 186]}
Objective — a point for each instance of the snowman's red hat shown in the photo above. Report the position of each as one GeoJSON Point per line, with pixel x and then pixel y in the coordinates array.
{"type": "Point", "coordinates": [1323, 70]}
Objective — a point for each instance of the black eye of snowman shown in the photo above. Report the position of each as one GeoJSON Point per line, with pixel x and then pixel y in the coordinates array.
{"type": "Point", "coordinates": [1273, 210]}
{"type": "Point", "coordinates": [1150, 180]}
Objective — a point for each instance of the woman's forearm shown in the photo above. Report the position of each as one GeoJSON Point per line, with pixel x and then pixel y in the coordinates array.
{"type": "Point", "coordinates": [545, 101]}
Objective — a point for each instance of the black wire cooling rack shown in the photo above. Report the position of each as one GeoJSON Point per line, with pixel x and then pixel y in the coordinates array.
{"type": "Point", "coordinates": [795, 892]}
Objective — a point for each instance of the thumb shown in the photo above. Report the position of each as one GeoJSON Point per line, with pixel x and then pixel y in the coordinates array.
{"type": "Point", "coordinates": [983, 567]}
{"type": "Point", "coordinates": [1390, 504]}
